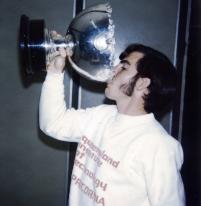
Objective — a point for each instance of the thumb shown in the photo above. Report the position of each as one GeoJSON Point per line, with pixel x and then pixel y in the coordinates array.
{"type": "Point", "coordinates": [62, 52]}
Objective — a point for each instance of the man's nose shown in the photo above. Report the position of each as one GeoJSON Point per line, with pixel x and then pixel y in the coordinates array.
{"type": "Point", "coordinates": [117, 69]}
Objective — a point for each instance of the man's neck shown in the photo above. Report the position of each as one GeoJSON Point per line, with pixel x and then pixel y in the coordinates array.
{"type": "Point", "coordinates": [130, 106]}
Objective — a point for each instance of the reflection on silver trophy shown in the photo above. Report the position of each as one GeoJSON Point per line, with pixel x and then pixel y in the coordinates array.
{"type": "Point", "coordinates": [90, 36]}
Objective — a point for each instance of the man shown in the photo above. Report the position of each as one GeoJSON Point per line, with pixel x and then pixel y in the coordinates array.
{"type": "Point", "coordinates": [124, 156]}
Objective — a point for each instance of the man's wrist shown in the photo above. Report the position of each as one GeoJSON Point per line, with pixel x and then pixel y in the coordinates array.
{"type": "Point", "coordinates": [53, 76]}
{"type": "Point", "coordinates": [54, 71]}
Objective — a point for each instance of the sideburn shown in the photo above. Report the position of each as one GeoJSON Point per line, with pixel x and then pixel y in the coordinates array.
{"type": "Point", "coordinates": [128, 88]}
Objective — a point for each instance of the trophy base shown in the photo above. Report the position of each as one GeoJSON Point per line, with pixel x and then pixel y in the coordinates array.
{"type": "Point", "coordinates": [31, 40]}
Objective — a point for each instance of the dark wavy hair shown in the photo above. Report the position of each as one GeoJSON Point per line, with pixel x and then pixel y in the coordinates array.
{"type": "Point", "coordinates": [159, 69]}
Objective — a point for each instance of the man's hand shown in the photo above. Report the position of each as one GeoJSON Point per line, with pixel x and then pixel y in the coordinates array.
{"type": "Point", "coordinates": [57, 63]}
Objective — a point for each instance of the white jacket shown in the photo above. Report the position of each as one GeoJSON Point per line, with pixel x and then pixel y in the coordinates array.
{"type": "Point", "coordinates": [121, 160]}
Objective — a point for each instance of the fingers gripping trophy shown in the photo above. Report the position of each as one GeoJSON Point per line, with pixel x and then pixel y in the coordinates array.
{"type": "Point", "coordinates": [88, 45]}
{"type": "Point", "coordinates": [56, 60]}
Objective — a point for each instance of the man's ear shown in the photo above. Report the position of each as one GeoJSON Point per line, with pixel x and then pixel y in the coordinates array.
{"type": "Point", "coordinates": [143, 83]}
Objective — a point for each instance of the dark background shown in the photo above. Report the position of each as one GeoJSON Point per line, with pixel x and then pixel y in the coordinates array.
{"type": "Point", "coordinates": [35, 169]}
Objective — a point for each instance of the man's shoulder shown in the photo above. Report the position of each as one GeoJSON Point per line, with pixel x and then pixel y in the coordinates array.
{"type": "Point", "coordinates": [160, 143]}
{"type": "Point", "coordinates": [105, 109]}
{"type": "Point", "coordinates": [156, 134]}
{"type": "Point", "coordinates": [102, 112]}
{"type": "Point", "coordinates": [156, 139]}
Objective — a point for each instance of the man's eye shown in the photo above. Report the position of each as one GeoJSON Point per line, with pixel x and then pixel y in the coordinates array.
{"type": "Point", "coordinates": [123, 68]}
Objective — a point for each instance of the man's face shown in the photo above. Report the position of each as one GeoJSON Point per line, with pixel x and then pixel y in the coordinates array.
{"type": "Point", "coordinates": [123, 73]}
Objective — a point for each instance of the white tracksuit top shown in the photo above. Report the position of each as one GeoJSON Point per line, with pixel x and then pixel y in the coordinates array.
{"type": "Point", "coordinates": [121, 160]}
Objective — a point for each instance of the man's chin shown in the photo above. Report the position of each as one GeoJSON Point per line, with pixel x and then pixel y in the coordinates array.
{"type": "Point", "coordinates": [106, 92]}
{"type": "Point", "coordinates": [108, 95]}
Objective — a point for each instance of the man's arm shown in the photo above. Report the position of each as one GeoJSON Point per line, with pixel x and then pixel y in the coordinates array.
{"type": "Point", "coordinates": [54, 117]}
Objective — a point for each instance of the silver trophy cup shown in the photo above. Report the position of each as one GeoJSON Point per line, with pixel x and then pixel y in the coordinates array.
{"type": "Point", "coordinates": [90, 36]}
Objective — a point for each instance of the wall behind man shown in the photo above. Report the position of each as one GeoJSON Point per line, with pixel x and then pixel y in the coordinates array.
{"type": "Point", "coordinates": [32, 166]}
{"type": "Point", "coordinates": [191, 129]}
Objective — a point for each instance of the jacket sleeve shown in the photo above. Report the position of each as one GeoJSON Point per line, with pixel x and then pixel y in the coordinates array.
{"type": "Point", "coordinates": [162, 175]}
{"type": "Point", "coordinates": [55, 119]}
